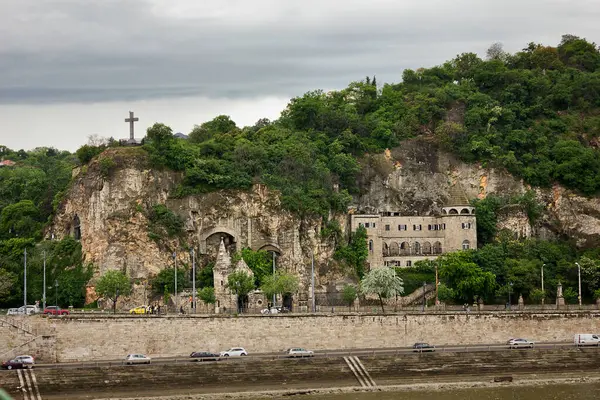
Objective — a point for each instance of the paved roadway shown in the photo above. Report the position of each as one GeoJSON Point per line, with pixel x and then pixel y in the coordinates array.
{"type": "Point", "coordinates": [319, 353]}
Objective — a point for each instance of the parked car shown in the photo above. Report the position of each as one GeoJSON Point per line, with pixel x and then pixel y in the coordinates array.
{"type": "Point", "coordinates": [299, 352]}
{"type": "Point", "coordinates": [586, 339]}
{"type": "Point", "coordinates": [138, 310]}
{"type": "Point", "coordinates": [272, 310]}
{"type": "Point", "coordinates": [516, 343]}
{"type": "Point", "coordinates": [423, 347]}
{"type": "Point", "coordinates": [204, 356]}
{"type": "Point", "coordinates": [54, 310]}
{"type": "Point", "coordinates": [26, 359]}
{"type": "Point", "coordinates": [234, 352]}
{"type": "Point", "coordinates": [13, 311]}
{"type": "Point", "coordinates": [15, 364]}
{"type": "Point", "coordinates": [137, 359]}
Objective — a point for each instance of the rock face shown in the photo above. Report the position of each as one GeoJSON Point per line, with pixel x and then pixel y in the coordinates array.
{"type": "Point", "coordinates": [107, 209]}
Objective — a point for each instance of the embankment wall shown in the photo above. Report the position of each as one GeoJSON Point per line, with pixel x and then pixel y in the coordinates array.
{"type": "Point", "coordinates": [91, 338]}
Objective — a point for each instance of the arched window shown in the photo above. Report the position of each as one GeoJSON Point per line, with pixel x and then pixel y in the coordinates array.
{"type": "Point", "coordinates": [453, 211]}
{"type": "Point", "coordinates": [394, 249]}
{"type": "Point", "coordinates": [465, 211]}
{"type": "Point", "coordinates": [426, 248]}
{"type": "Point", "coordinates": [404, 249]}
{"type": "Point", "coordinates": [437, 248]}
{"type": "Point", "coordinates": [466, 245]}
{"type": "Point", "coordinates": [386, 250]}
{"type": "Point", "coordinates": [417, 248]}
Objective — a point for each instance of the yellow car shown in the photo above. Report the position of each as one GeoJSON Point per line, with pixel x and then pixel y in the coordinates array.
{"type": "Point", "coordinates": [138, 310]}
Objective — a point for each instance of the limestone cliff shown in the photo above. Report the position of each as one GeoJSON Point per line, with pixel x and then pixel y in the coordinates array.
{"type": "Point", "coordinates": [107, 204]}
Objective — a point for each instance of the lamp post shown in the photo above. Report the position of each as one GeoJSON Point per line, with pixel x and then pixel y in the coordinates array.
{"type": "Point", "coordinates": [44, 295]}
{"type": "Point", "coordinates": [175, 258]}
{"type": "Point", "coordinates": [424, 284]}
{"type": "Point", "coordinates": [193, 281]}
{"type": "Point", "coordinates": [25, 279]}
{"type": "Point", "coordinates": [509, 287]}
{"type": "Point", "coordinates": [274, 298]}
{"type": "Point", "coordinates": [437, 285]}
{"type": "Point", "coordinates": [579, 281]}
{"type": "Point", "coordinates": [56, 292]}
{"type": "Point", "coordinates": [543, 293]}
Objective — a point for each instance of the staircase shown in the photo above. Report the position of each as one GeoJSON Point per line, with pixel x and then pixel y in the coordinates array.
{"type": "Point", "coordinates": [416, 297]}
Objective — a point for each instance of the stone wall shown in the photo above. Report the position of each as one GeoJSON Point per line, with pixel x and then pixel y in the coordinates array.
{"type": "Point", "coordinates": [87, 338]}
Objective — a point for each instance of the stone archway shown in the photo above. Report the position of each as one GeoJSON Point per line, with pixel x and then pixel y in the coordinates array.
{"type": "Point", "coordinates": [221, 231]}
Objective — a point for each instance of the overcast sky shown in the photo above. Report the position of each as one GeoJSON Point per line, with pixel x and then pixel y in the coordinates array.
{"type": "Point", "coordinates": [72, 68]}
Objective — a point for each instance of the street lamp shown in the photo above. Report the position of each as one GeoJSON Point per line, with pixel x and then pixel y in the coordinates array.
{"type": "Point", "coordinates": [579, 281]}
{"type": "Point", "coordinates": [543, 293]}
{"type": "Point", "coordinates": [509, 287]}
{"type": "Point", "coordinates": [424, 284]}
{"type": "Point", "coordinates": [56, 292]}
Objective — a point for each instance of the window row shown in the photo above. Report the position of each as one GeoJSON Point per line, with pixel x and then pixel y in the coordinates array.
{"type": "Point", "coordinates": [431, 227]}
{"type": "Point", "coordinates": [467, 225]}
{"type": "Point", "coordinates": [397, 263]}
{"type": "Point", "coordinates": [405, 249]}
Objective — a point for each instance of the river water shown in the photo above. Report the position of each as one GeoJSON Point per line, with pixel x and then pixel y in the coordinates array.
{"type": "Point", "coordinates": [581, 391]}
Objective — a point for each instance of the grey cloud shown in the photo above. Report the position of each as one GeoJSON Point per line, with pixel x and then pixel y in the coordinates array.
{"type": "Point", "coordinates": [108, 50]}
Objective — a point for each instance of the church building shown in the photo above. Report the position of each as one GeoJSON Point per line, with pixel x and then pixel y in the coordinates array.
{"type": "Point", "coordinates": [400, 240]}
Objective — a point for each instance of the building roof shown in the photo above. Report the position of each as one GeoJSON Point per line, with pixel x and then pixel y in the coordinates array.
{"type": "Point", "coordinates": [180, 135]}
{"type": "Point", "coordinates": [7, 163]}
{"type": "Point", "coordinates": [457, 196]}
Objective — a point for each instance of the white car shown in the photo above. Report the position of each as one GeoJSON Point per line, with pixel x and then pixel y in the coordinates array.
{"type": "Point", "coordinates": [234, 352]}
{"type": "Point", "coordinates": [25, 359]}
{"type": "Point", "coordinates": [515, 343]}
{"type": "Point", "coordinates": [271, 310]}
{"type": "Point", "coordinates": [299, 352]}
{"type": "Point", "coordinates": [137, 359]}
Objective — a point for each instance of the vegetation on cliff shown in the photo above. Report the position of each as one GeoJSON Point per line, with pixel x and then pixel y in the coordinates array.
{"type": "Point", "coordinates": [535, 113]}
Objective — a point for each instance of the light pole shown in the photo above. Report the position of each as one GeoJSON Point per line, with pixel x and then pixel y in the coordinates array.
{"type": "Point", "coordinates": [437, 284]}
{"type": "Point", "coordinates": [543, 293]}
{"type": "Point", "coordinates": [56, 292]}
{"type": "Point", "coordinates": [424, 284]}
{"type": "Point", "coordinates": [509, 286]}
{"type": "Point", "coordinates": [312, 281]}
{"type": "Point", "coordinates": [579, 281]}
{"type": "Point", "coordinates": [175, 258]}
{"type": "Point", "coordinates": [274, 276]}
{"type": "Point", "coordinates": [25, 279]}
{"type": "Point", "coordinates": [193, 281]}
{"type": "Point", "coordinates": [44, 295]}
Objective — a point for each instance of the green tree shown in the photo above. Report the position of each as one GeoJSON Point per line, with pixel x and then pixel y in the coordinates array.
{"type": "Point", "coordinates": [260, 263]}
{"type": "Point", "coordinates": [570, 295]}
{"type": "Point", "coordinates": [160, 135]}
{"type": "Point", "coordinates": [240, 284]}
{"type": "Point", "coordinates": [355, 254]}
{"type": "Point", "coordinates": [349, 295]}
{"type": "Point", "coordinates": [383, 282]}
{"type": "Point", "coordinates": [7, 281]}
{"type": "Point", "coordinates": [467, 279]}
{"type": "Point", "coordinates": [112, 285]}
{"type": "Point", "coordinates": [536, 295]}
{"type": "Point", "coordinates": [281, 282]}
{"type": "Point", "coordinates": [165, 281]}
{"type": "Point", "coordinates": [221, 124]}
{"type": "Point", "coordinates": [20, 219]}
{"type": "Point", "coordinates": [445, 294]}
{"type": "Point", "coordinates": [207, 295]}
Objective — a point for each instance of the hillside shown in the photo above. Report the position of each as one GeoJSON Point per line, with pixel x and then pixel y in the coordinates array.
{"type": "Point", "coordinates": [518, 131]}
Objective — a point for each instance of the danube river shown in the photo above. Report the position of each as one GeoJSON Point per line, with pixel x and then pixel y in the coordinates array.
{"type": "Point", "coordinates": [579, 391]}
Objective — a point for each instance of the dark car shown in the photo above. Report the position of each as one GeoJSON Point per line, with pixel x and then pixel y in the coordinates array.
{"type": "Point", "coordinates": [204, 356]}
{"type": "Point", "coordinates": [15, 364]}
{"type": "Point", "coordinates": [422, 347]}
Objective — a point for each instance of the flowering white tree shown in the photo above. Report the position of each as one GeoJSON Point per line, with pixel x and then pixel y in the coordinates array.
{"type": "Point", "coordinates": [383, 282]}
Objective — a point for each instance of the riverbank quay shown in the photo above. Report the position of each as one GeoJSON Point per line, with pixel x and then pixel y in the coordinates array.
{"type": "Point", "coordinates": [248, 375]}
{"type": "Point", "coordinates": [79, 338]}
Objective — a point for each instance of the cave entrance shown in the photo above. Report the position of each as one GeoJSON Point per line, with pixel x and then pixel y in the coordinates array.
{"type": "Point", "coordinates": [213, 242]}
{"type": "Point", "coordinates": [76, 227]}
{"type": "Point", "coordinates": [288, 301]}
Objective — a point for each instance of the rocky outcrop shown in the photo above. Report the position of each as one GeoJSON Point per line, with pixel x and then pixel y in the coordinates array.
{"type": "Point", "coordinates": [107, 207]}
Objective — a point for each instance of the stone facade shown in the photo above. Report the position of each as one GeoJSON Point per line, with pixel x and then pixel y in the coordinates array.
{"type": "Point", "coordinates": [111, 338]}
{"type": "Point", "coordinates": [400, 240]}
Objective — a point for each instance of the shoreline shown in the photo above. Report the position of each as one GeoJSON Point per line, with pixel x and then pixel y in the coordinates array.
{"type": "Point", "coordinates": [484, 381]}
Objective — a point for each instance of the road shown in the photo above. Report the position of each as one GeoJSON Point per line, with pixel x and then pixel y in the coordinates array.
{"type": "Point", "coordinates": [319, 353]}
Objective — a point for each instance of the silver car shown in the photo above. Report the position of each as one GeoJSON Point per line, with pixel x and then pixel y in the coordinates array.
{"type": "Point", "coordinates": [137, 359]}
{"type": "Point", "coordinates": [516, 343]}
{"type": "Point", "coordinates": [299, 352]}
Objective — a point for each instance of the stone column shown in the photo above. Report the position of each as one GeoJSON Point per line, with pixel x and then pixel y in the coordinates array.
{"type": "Point", "coordinates": [521, 302]}
{"type": "Point", "coordinates": [560, 300]}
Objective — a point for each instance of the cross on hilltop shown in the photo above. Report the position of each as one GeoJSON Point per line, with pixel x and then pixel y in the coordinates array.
{"type": "Point", "coordinates": [131, 141]}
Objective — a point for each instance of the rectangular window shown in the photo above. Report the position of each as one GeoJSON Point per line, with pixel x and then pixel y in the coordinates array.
{"type": "Point", "coordinates": [428, 227]}
{"type": "Point", "coordinates": [417, 227]}
{"type": "Point", "coordinates": [373, 224]}
{"type": "Point", "coordinates": [387, 227]}
{"type": "Point", "coordinates": [368, 225]}
{"type": "Point", "coordinates": [409, 263]}
{"type": "Point", "coordinates": [444, 226]}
